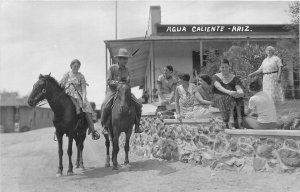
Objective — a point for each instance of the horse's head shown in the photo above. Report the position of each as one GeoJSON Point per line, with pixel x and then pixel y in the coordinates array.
{"type": "Point", "coordinates": [39, 90]}
{"type": "Point", "coordinates": [124, 95]}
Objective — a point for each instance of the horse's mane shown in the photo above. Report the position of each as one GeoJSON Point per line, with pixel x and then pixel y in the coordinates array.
{"type": "Point", "coordinates": [53, 80]}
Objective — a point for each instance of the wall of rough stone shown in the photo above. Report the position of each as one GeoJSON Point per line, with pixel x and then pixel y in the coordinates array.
{"type": "Point", "coordinates": [207, 144]}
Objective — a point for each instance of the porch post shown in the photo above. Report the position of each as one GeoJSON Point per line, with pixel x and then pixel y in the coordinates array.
{"type": "Point", "coordinates": [152, 70]}
{"type": "Point", "coordinates": [105, 65]}
{"type": "Point", "coordinates": [153, 63]}
{"type": "Point", "coordinates": [201, 53]}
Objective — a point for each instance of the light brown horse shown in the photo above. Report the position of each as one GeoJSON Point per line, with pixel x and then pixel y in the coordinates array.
{"type": "Point", "coordinates": [123, 119]}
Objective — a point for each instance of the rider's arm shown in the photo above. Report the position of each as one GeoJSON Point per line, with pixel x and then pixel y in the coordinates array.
{"type": "Point", "coordinates": [110, 80]}
{"type": "Point", "coordinates": [128, 78]}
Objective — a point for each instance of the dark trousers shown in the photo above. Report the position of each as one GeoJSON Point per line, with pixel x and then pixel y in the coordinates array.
{"type": "Point", "coordinates": [106, 109]}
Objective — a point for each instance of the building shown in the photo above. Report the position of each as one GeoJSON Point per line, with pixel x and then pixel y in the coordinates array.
{"type": "Point", "coordinates": [16, 115]}
{"type": "Point", "coordinates": [186, 47]}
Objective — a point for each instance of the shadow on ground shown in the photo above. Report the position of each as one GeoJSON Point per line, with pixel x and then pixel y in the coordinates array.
{"type": "Point", "coordinates": [147, 165]}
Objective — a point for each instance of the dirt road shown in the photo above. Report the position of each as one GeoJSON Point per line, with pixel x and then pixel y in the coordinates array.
{"type": "Point", "coordinates": [29, 162]}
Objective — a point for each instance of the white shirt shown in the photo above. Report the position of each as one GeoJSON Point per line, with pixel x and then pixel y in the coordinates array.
{"type": "Point", "coordinates": [263, 105]}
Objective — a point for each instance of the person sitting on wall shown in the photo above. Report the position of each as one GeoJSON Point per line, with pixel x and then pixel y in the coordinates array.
{"type": "Point", "coordinates": [227, 87]}
{"type": "Point", "coordinates": [189, 102]}
{"type": "Point", "coordinates": [166, 85]}
{"type": "Point", "coordinates": [204, 87]}
{"type": "Point", "coordinates": [261, 105]}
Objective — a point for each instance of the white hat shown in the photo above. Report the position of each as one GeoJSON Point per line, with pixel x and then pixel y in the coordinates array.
{"type": "Point", "coordinates": [123, 53]}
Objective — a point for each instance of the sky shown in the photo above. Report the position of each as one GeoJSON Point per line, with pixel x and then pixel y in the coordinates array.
{"type": "Point", "coordinates": [42, 37]}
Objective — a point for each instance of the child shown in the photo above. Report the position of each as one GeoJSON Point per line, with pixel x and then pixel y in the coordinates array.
{"type": "Point", "coordinates": [263, 106]}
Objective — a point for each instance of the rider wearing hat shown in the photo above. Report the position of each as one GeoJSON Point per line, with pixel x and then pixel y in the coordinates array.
{"type": "Point", "coordinates": [118, 72]}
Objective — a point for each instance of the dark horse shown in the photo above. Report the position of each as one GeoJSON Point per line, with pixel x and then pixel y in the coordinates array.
{"type": "Point", "coordinates": [123, 119]}
{"type": "Point", "coordinates": [65, 120]}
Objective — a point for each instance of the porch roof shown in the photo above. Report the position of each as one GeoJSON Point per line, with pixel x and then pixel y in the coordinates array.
{"type": "Point", "coordinates": [139, 47]}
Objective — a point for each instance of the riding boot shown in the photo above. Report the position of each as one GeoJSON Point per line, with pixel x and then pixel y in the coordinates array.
{"type": "Point", "coordinates": [95, 134]}
{"type": "Point", "coordinates": [106, 117]}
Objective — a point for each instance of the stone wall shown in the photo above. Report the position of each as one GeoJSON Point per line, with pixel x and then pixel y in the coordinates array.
{"type": "Point", "coordinates": [207, 144]}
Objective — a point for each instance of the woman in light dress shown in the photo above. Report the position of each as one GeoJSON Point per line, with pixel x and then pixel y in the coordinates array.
{"type": "Point", "coordinates": [271, 70]}
{"type": "Point", "coordinates": [75, 86]}
{"type": "Point", "coordinates": [190, 104]}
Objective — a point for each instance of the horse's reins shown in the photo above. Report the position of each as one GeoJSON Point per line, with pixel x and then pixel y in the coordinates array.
{"type": "Point", "coordinates": [44, 92]}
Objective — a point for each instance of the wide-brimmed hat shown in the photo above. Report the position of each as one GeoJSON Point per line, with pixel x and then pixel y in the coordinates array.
{"type": "Point", "coordinates": [123, 53]}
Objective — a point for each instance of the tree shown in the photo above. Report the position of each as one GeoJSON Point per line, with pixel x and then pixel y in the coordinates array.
{"type": "Point", "coordinates": [248, 58]}
{"type": "Point", "coordinates": [294, 11]}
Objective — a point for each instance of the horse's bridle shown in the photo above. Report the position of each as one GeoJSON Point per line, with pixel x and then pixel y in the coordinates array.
{"type": "Point", "coordinates": [44, 91]}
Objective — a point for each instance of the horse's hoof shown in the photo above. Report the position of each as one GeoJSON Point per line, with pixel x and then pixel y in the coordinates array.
{"type": "Point", "coordinates": [70, 173]}
{"type": "Point", "coordinates": [82, 167]}
{"type": "Point", "coordinates": [77, 166]}
{"type": "Point", "coordinates": [126, 166]}
{"type": "Point", "coordinates": [58, 174]}
{"type": "Point", "coordinates": [115, 168]}
{"type": "Point", "coordinates": [107, 165]}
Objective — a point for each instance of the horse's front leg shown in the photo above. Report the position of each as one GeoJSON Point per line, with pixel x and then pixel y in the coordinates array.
{"type": "Point", "coordinates": [70, 170]}
{"type": "Point", "coordinates": [126, 147]}
{"type": "Point", "coordinates": [115, 150]}
{"type": "Point", "coordinates": [59, 137]}
{"type": "Point", "coordinates": [78, 156]}
{"type": "Point", "coordinates": [80, 149]}
{"type": "Point", "coordinates": [107, 144]}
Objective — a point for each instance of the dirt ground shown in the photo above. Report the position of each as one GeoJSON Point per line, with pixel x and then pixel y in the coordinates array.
{"type": "Point", "coordinates": [29, 162]}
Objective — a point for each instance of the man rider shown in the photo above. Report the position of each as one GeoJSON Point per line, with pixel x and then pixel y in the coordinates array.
{"type": "Point", "coordinates": [118, 72]}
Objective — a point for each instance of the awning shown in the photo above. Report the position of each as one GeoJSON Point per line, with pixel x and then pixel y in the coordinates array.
{"type": "Point", "coordinates": [137, 65]}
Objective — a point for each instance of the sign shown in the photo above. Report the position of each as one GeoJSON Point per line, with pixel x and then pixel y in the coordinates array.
{"type": "Point", "coordinates": [182, 29]}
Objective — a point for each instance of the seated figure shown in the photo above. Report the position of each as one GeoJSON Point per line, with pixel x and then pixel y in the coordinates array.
{"type": "Point", "coordinates": [261, 109]}
{"type": "Point", "coordinates": [190, 104]}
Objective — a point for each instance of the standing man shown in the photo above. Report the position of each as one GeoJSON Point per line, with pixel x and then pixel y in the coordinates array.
{"type": "Point", "coordinates": [118, 72]}
{"type": "Point", "coordinates": [166, 84]}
